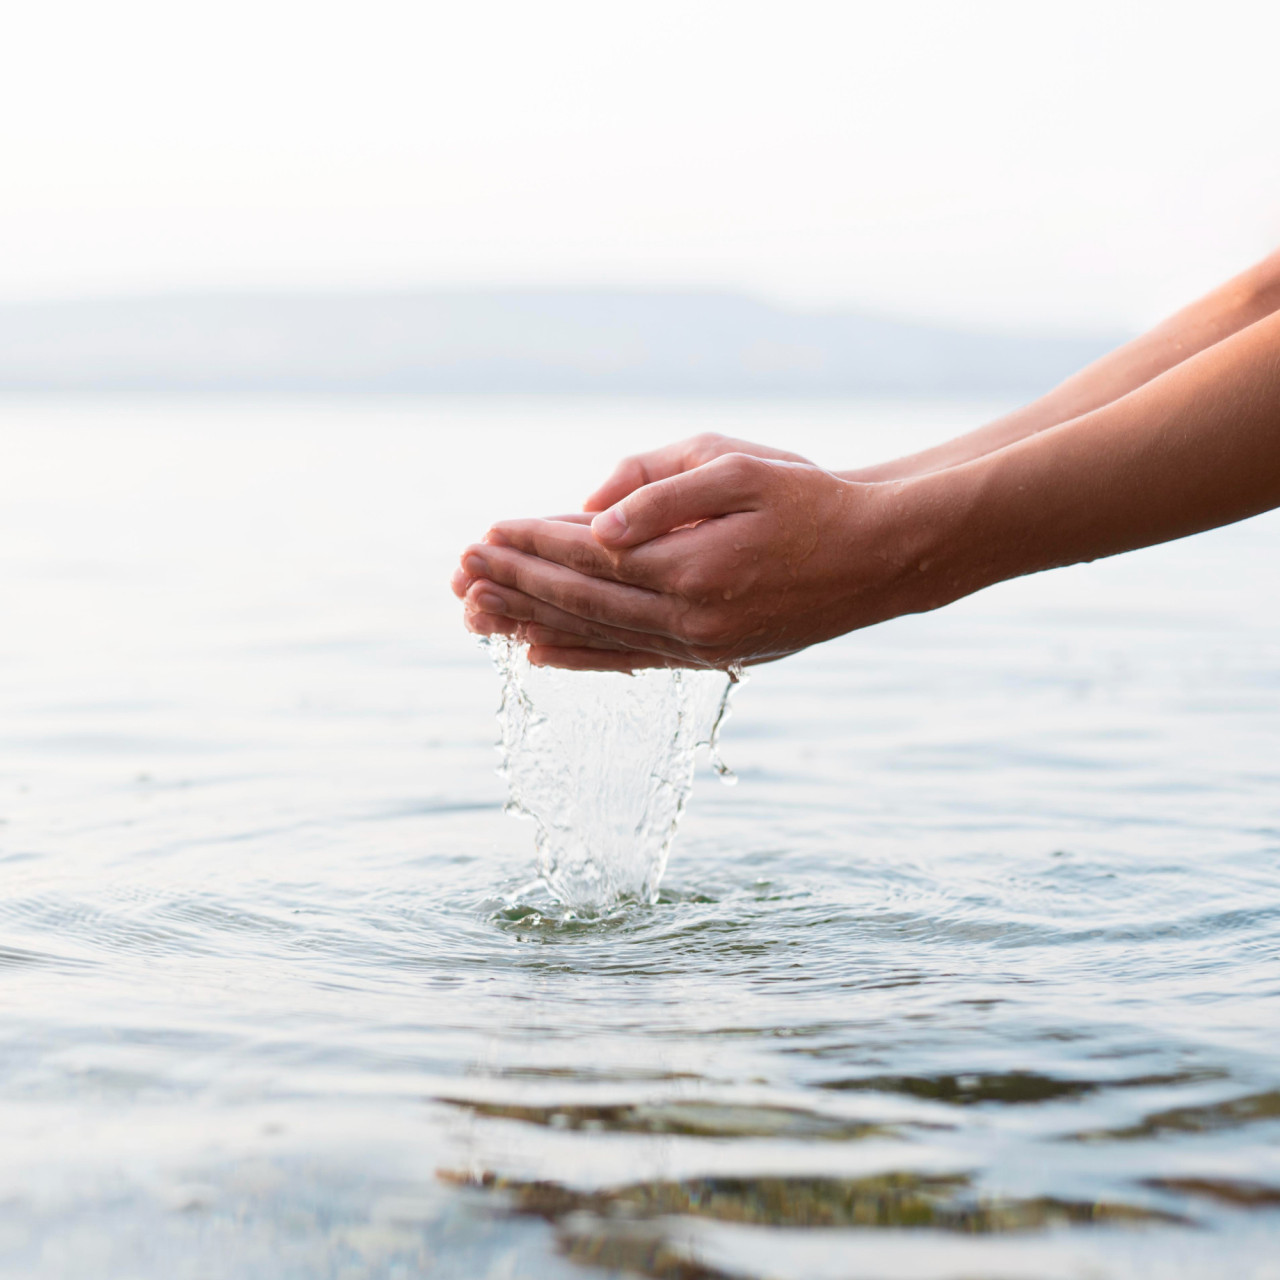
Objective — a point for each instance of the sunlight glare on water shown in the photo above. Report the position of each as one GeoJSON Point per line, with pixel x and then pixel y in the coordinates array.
{"type": "Point", "coordinates": [975, 973]}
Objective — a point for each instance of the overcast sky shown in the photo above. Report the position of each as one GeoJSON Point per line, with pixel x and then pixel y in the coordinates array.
{"type": "Point", "coordinates": [1081, 164]}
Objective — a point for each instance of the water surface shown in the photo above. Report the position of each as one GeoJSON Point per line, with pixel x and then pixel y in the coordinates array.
{"type": "Point", "coordinates": [976, 972]}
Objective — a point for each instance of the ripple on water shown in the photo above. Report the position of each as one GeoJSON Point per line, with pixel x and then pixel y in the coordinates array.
{"type": "Point", "coordinates": [976, 973]}
{"type": "Point", "coordinates": [636, 1227]}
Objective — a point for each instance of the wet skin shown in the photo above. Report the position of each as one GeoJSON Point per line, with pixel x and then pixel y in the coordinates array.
{"type": "Point", "coordinates": [716, 552]}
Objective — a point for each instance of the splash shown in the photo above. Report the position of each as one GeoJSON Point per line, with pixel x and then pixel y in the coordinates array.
{"type": "Point", "coordinates": [603, 763]}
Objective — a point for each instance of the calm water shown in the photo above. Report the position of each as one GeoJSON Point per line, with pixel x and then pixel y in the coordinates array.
{"type": "Point", "coordinates": [975, 974]}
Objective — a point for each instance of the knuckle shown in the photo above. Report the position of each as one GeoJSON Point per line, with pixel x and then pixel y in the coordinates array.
{"type": "Point", "coordinates": [692, 581]}
{"type": "Point", "coordinates": [705, 629]}
{"type": "Point", "coordinates": [652, 503]}
{"type": "Point", "coordinates": [575, 600]}
{"type": "Point", "coordinates": [579, 558]}
{"type": "Point", "coordinates": [738, 466]}
{"type": "Point", "coordinates": [528, 582]}
{"type": "Point", "coordinates": [622, 565]}
{"type": "Point", "coordinates": [516, 576]}
{"type": "Point", "coordinates": [708, 444]}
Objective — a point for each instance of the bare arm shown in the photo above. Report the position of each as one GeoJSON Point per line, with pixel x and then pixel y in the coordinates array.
{"type": "Point", "coordinates": [766, 557]}
{"type": "Point", "coordinates": [1240, 302]}
{"type": "Point", "coordinates": [1196, 447]}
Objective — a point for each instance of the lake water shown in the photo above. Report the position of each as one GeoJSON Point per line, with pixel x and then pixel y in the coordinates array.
{"type": "Point", "coordinates": [976, 973]}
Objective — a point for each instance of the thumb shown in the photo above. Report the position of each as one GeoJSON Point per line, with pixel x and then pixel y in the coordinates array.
{"type": "Point", "coordinates": [718, 488]}
{"type": "Point", "coordinates": [628, 476]}
{"type": "Point", "coordinates": [644, 468]}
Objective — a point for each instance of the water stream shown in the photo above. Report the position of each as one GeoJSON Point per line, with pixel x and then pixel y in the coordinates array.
{"type": "Point", "coordinates": [603, 764]}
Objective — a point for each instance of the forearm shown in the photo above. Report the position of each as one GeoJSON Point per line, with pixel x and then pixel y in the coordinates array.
{"type": "Point", "coordinates": [1194, 448]}
{"type": "Point", "coordinates": [1241, 302]}
{"type": "Point", "coordinates": [745, 559]}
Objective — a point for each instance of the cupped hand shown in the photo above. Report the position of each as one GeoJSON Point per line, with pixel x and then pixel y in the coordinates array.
{"type": "Point", "coordinates": [742, 559]}
{"type": "Point", "coordinates": [640, 469]}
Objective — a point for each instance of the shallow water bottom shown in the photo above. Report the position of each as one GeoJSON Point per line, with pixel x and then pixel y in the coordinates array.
{"type": "Point", "coordinates": [975, 974]}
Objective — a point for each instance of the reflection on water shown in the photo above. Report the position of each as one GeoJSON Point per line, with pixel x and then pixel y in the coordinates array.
{"type": "Point", "coordinates": [1233, 1113]}
{"type": "Point", "coordinates": [1241, 1195]}
{"type": "Point", "coordinates": [887, 1200]}
{"type": "Point", "coordinates": [693, 1119]}
{"type": "Point", "coordinates": [1008, 1087]}
{"type": "Point", "coordinates": [977, 972]}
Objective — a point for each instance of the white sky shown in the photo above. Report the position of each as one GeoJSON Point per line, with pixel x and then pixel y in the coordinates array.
{"type": "Point", "coordinates": [1066, 164]}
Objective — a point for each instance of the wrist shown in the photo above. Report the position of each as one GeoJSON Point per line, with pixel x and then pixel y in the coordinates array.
{"type": "Point", "coordinates": [915, 540]}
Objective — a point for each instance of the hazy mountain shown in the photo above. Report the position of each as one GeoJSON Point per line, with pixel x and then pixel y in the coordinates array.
{"type": "Point", "coordinates": [513, 341]}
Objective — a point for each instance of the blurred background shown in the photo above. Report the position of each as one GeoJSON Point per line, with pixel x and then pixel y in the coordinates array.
{"type": "Point", "coordinates": [975, 973]}
{"type": "Point", "coordinates": [569, 196]}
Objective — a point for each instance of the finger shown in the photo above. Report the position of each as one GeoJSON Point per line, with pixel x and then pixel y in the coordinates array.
{"type": "Point", "coordinates": [573, 659]}
{"type": "Point", "coordinates": [660, 464]}
{"type": "Point", "coordinates": [627, 477]}
{"type": "Point", "coordinates": [584, 658]}
{"type": "Point", "coordinates": [528, 613]}
{"type": "Point", "coordinates": [535, 633]}
{"type": "Point", "coordinates": [534, 624]}
{"type": "Point", "coordinates": [644, 468]}
{"type": "Point", "coordinates": [496, 533]}
{"type": "Point", "coordinates": [615, 604]}
{"type": "Point", "coordinates": [490, 624]}
{"type": "Point", "coordinates": [721, 487]}
{"type": "Point", "coordinates": [575, 547]}
{"type": "Point", "coordinates": [572, 545]}
{"type": "Point", "coordinates": [574, 517]}
{"type": "Point", "coordinates": [460, 582]}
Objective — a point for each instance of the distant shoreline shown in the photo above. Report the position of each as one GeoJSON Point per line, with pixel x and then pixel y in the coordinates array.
{"type": "Point", "coordinates": [576, 343]}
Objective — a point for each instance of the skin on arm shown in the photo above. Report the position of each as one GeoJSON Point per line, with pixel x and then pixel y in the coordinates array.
{"type": "Point", "coordinates": [784, 554]}
{"type": "Point", "coordinates": [1240, 302]}
{"type": "Point", "coordinates": [1195, 448]}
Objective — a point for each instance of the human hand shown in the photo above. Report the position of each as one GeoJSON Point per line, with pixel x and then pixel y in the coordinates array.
{"type": "Point", "coordinates": [739, 560]}
{"type": "Point", "coordinates": [674, 459]}
{"type": "Point", "coordinates": [630, 474]}
{"type": "Point", "coordinates": [483, 624]}
{"type": "Point", "coordinates": [743, 558]}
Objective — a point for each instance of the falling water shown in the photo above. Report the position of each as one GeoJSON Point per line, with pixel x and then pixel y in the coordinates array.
{"type": "Point", "coordinates": [603, 763]}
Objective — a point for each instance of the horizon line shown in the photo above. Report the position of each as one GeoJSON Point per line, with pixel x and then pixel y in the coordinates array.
{"type": "Point", "coordinates": [759, 298]}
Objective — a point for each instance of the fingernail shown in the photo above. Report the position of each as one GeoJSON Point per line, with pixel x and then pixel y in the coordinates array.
{"type": "Point", "coordinates": [610, 525]}
{"type": "Point", "coordinates": [475, 566]}
{"type": "Point", "coordinates": [489, 602]}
